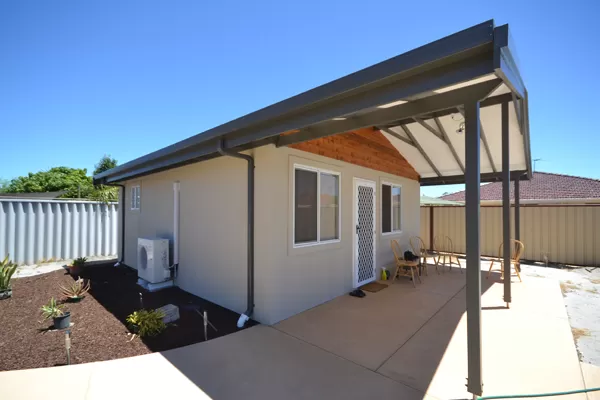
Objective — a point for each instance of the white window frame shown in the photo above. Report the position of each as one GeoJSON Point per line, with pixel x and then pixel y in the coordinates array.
{"type": "Point", "coordinates": [134, 204]}
{"type": "Point", "coordinates": [392, 232]}
{"type": "Point", "coordinates": [318, 171]}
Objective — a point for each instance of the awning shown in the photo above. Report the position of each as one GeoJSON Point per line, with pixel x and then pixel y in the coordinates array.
{"type": "Point", "coordinates": [416, 98]}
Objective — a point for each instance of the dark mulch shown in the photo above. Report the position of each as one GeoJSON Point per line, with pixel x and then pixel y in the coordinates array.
{"type": "Point", "coordinates": [99, 331]}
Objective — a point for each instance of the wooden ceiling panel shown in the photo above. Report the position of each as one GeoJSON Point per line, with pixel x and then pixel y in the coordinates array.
{"type": "Point", "coordinates": [367, 148]}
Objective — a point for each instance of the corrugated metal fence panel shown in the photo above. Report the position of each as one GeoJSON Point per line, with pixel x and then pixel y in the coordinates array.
{"type": "Point", "coordinates": [425, 221]}
{"type": "Point", "coordinates": [562, 234]}
{"type": "Point", "coordinates": [32, 231]}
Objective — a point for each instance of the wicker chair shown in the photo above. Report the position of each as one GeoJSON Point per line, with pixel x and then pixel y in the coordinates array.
{"type": "Point", "coordinates": [404, 267]}
{"type": "Point", "coordinates": [451, 254]}
{"type": "Point", "coordinates": [418, 248]}
{"type": "Point", "coordinates": [516, 250]}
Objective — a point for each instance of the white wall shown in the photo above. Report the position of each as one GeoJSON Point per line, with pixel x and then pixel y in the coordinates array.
{"type": "Point", "coordinates": [213, 231]}
{"type": "Point", "coordinates": [295, 279]}
{"type": "Point", "coordinates": [212, 262]}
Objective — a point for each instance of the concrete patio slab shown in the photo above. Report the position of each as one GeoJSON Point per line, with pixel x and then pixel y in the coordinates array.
{"type": "Point", "coordinates": [257, 363]}
{"type": "Point", "coordinates": [528, 348]}
{"type": "Point", "coordinates": [368, 330]}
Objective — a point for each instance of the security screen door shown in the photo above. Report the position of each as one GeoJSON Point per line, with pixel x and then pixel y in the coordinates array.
{"type": "Point", "coordinates": [364, 231]}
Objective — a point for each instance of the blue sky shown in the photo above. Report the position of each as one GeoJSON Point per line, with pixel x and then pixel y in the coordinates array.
{"type": "Point", "coordinates": [80, 79]}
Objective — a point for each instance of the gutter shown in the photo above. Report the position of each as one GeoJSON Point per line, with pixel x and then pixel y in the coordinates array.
{"type": "Point", "coordinates": [250, 250]}
{"type": "Point", "coordinates": [122, 257]}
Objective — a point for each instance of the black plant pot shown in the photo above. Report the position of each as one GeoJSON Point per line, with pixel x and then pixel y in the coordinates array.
{"type": "Point", "coordinates": [75, 299]}
{"type": "Point", "coordinates": [5, 294]}
{"type": "Point", "coordinates": [62, 322]}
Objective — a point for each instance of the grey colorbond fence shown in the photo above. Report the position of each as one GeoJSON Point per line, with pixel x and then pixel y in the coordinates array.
{"type": "Point", "coordinates": [34, 231]}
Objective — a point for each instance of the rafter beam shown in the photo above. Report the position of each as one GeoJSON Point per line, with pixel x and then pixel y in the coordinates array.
{"type": "Point", "coordinates": [397, 136]}
{"type": "Point", "coordinates": [420, 148]}
{"type": "Point", "coordinates": [458, 179]}
{"type": "Point", "coordinates": [488, 152]}
{"type": "Point", "coordinates": [449, 143]}
{"type": "Point", "coordinates": [429, 127]}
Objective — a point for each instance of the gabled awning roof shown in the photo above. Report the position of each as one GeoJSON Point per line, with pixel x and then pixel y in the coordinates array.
{"type": "Point", "coordinates": [415, 98]}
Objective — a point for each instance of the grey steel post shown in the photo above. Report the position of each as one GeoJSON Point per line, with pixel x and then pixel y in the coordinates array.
{"type": "Point", "coordinates": [517, 211]}
{"type": "Point", "coordinates": [517, 214]}
{"type": "Point", "coordinates": [506, 202]}
{"type": "Point", "coordinates": [472, 181]}
{"type": "Point", "coordinates": [205, 316]}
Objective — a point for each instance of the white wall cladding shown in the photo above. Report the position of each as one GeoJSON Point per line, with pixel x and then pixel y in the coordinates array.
{"type": "Point", "coordinates": [33, 231]}
{"type": "Point", "coordinates": [567, 234]}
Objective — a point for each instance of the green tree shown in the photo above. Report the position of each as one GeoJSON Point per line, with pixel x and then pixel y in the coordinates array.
{"type": "Point", "coordinates": [3, 184]}
{"type": "Point", "coordinates": [105, 163]}
{"type": "Point", "coordinates": [74, 181]}
{"type": "Point", "coordinates": [101, 192]}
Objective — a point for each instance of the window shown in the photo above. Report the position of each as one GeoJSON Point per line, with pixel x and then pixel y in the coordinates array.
{"type": "Point", "coordinates": [391, 208]}
{"type": "Point", "coordinates": [135, 197]}
{"type": "Point", "coordinates": [316, 206]}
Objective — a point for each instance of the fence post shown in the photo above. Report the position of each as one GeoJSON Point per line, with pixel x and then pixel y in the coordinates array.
{"type": "Point", "coordinates": [431, 228]}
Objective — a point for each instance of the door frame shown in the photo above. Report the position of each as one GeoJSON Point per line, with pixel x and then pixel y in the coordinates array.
{"type": "Point", "coordinates": [355, 183]}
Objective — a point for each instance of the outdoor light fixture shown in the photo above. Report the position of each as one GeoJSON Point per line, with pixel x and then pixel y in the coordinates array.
{"type": "Point", "coordinates": [461, 126]}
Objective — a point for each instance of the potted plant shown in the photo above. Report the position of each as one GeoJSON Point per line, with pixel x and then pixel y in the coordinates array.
{"type": "Point", "coordinates": [53, 310]}
{"type": "Point", "coordinates": [76, 291]}
{"type": "Point", "coordinates": [7, 269]}
{"type": "Point", "coordinates": [77, 265]}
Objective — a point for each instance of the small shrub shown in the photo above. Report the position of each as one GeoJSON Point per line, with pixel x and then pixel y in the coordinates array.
{"type": "Point", "coordinates": [52, 309]}
{"type": "Point", "coordinates": [146, 322]}
{"type": "Point", "coordinates": [79, 262]}
{"type": "Point", "coordinates": [7, 269]}
{"type": "Point", "coordinates": [76, 290]}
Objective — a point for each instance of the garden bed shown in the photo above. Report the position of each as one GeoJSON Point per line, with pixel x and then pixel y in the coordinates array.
{"type": "Point", "coordinates": [99, 331]}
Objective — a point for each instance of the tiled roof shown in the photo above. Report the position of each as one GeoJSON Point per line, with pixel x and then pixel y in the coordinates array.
{"type": "Point", "coordinates": [543, 186]}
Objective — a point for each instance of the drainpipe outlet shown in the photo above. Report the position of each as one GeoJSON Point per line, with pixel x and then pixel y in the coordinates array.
{"type": "Point", "coordinates": [242, 321]}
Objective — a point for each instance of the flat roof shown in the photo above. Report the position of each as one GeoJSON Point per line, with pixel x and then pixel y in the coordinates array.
{"type": "Point", "coordinates": [414, 98]}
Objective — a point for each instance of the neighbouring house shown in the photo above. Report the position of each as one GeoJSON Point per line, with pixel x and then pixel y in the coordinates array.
{"type": "Point", "coordinates": [542, 188]}
{"type": "Point", "coordinates": [292, 205]}
{"type": "Point", "coordinates": [435, 201]}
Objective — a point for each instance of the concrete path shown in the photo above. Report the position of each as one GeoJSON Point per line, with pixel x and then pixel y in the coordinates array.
{"type": "Point", "coordinates": [24, 271]}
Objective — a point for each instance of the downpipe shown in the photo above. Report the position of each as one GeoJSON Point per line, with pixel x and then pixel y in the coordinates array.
{"type": "Point", "coordinates": [250, 251]}
{"type": "Point", "coordinates": [122, 205]}
{"type": "Point", "coordinates": [174, 269]}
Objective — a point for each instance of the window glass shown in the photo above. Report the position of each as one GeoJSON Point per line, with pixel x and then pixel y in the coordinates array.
{"type": "Point", "coordinates": [330, 201]}
{"type": "Point", "coordinates": [386, 208]}
{"type": "Point", "coordinates": [305, 206]}
{"type": "Point", "coordinates": [135, 197]}
{"type": "Point", "coordinates": [396, 208]}
{"type": "Point", "coordinates": [391, 208]}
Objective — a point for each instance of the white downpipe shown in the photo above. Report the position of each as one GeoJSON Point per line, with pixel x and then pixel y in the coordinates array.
{"type": "Point", "coordinates": [242, 321]}
{"type": "Point", "coordinates": [176, 223]}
